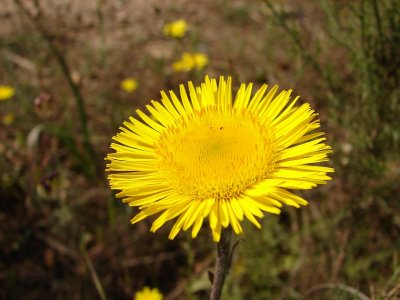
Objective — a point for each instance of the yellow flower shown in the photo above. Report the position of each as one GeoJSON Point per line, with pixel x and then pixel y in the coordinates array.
{"type": "Point", "coordinates": [129, 85]}
{"type": "Point", "coordinates": [148, 294]}
{"type": "Point", "coordinates": [176, 29]}
{"type": "Point", "coordinates": [207, 155]}
{"type": "Point", "coordinates": [200, 60]}
{"type": "Point", "coordinates": [190, 61]}
{"type": "Point", "coordinates": [6, 92]}
{"type": "Point", "coordinates": [8, 119]}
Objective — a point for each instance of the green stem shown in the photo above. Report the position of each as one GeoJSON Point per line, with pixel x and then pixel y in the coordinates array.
{"type": "Point", "coordinates": [222, 264]}
{"type": "Point", "coordinates": [92, 272]}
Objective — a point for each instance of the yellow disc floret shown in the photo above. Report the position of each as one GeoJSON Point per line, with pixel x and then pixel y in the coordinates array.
{"type": "Point", "coordinates": [216, 155]}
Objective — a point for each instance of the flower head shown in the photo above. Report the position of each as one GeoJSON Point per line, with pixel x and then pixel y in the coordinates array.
{"type": "Point", "coordinates": [175, 29]}
{"type": "Point", "coordinates": [148, 294]}
{"type": "Point", "coordinates": [8, 119]}
{"type": "Point", "coordinates": [6, 92]}
{"type": "Point", "coordinates": [191, 61]}
{"type": "Point", "coordinates": [207, 155]}
{"type": "Point", "coordinates": [129, 85]}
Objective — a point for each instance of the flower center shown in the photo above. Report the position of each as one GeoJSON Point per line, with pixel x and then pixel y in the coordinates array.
{"type": "Point", "coordinates": [216, 154]}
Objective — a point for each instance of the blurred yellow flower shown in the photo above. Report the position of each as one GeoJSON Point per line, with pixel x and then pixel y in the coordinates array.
{"type": "Point", "coordinates": [190, 61]}
{"type": "Point", "coordinates": [148, 294]}
{"type": "Point", "coordinates": [129, 85]}
{"type": "Point", "coordinates": [176, 29]}
{"type": "Point", "coordinates": [200, 60]}
{"type": "Point", "coordinates": [8, 119]}
{"type": "Point", "coordinates": [6, 92]}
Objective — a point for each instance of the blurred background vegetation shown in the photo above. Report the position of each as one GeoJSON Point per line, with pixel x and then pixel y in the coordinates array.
{"type": "Point", "coordinates": [65, 236]}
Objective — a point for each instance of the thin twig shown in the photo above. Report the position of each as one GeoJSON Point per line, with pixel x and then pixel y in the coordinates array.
{"type": "Point", "coordinates": [19, 61]}
{"type": "Point", "coordinates": [180, 288]}
{"type": "Point", "coordinates": [58, 246]}
{"type": "Point", "coordinates": [93, 273]}
{"type": "Point", "coordinates": [393, 292]}
{"type": "Point", "coordinates": [233, 251]}
{"type": "Point", "coordinates": [339, 286]}
{"type": "Point", "coordinates": [150, 259]}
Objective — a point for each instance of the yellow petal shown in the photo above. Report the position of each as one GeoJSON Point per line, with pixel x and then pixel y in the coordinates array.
{"type": "Point", "coordinates": [223, 213]}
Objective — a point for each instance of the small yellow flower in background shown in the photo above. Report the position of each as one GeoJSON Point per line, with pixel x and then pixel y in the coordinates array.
{"type": "Point", "coordinates": [129, 85]}
{"type": "Point", "coordinates": [190, 61]}
{"type": "Point", "coordinates": [6, 92]}
{"type": "Point", "coordinates": [175, 29]}
{"type": "Point", "coordinates": [148, 294]}
{"type": "Point", "coordinates": [212, 155]}
{"type": "Point", "coordinates": [8, 119]}
{"type": "Point", "coordinates": [200, 60]}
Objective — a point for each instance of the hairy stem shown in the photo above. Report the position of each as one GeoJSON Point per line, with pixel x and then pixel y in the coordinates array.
{"type": "Point", "coordinates": [222, 263]}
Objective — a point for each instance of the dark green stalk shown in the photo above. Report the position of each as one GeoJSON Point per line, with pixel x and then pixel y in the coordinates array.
{"type": "Point", "coordinates": [222, 263]}
{"type": "Point", "coordinates": [90, 153]}
{"type": "Point", "coordinates": [378, 26]}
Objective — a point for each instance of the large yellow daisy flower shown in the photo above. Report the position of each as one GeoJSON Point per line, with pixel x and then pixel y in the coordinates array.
{"type": "Point", "coordinates": [207, 155]}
